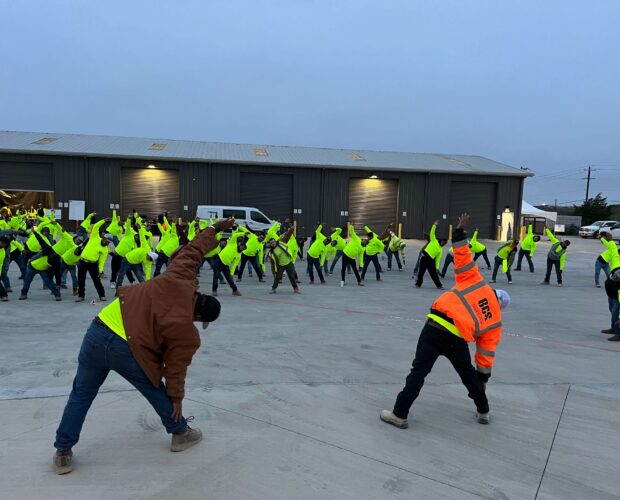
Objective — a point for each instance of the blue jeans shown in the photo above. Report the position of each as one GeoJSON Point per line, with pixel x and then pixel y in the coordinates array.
{"type": "Point", "coordinates": [335, 260]}
{"type": "Point", "coordinates": [102, 350]}
{"type": "Point", "coordinates": [314, 263]}
{"type": "Point", "coordinates": [47, 281]}
{"type": "Point", "coordinates": [136, 269]}
{"type": "Point", "coordinates": [498, 265]}
{"type": "Point", "coordinates": [597, 270]}
{"type": "Point", "coordinates": [614, 309]}
{"type": "Point", "coordinates": [64, 269]}
{"type": "Point", "coordinates": [391, 254]}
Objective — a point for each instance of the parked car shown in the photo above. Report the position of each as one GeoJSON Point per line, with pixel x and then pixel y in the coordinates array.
{"type": "Point", "coordinates": [593, 230]}
{"type": "Point", "coordinates": [249, 217]}
{"type": "Point", "coordinates": [615, 231]}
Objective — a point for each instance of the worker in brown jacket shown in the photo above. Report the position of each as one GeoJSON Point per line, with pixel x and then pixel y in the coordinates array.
{"type": "Point", "coordinates": [145, 335]}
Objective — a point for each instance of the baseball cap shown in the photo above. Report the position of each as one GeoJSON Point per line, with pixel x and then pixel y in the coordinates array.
{"type": "Point", "coordinates": [503, 298]}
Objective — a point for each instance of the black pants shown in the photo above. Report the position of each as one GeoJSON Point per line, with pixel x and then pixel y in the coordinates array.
{"type": "Point", "coordinates": [432, 344]}
{"type": "Point", "coordinates": [447, 261]}
{"type": "Point", "coordinates": [375, 262]}
{"type": "Point", "coordinates": [253, 262]}
{"type": "Point", "coordinates": [428, 264]}
{"type": "Point", "coordinates": [221, 270]}
{"type": "Point", "coordinates": [496, 266]}
{"type": "Point", "coordinates": [115, 267]}
{"type": "Point", "coordinates": [315, 263]}
{"type": "Point", "coordinates": [484, 255]}
{"type": "Point", "coordinates": [290, 272]}
{"type": "Point", "coordinates": [346, 262]}
{"type": "Point", "coordinates": [91, 268]}
{"type": "Point", "coordinates": [162, 259]}
{"type": "Point", "coordinates": [526, 254]}
{"type": "Point", "coordinates": [558, 272]}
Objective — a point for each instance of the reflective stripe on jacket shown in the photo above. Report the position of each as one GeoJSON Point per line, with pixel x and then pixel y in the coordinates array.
{"type": "Point", "coordinates": [473, 307]}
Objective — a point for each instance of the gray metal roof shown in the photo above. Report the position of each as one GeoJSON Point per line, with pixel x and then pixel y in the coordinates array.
{"type": "Point", "coordinates": [133, 147]}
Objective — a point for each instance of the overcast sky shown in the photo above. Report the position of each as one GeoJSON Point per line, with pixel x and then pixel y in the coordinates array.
{"type": "Point", "coordinates": [528, 83]}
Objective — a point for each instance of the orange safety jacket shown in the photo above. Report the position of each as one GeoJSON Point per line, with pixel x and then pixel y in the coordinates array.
{"type": "Point", "coordinates": [472, 308]}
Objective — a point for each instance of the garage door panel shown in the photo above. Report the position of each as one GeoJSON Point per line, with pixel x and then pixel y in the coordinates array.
{"type": "Point", "coordinates": [478, 199]}
{"type": "Point", "coordinates": [149, 191]}
{"type": "Point", "coordinates": [373, 202]}
{"type": "Point", "coordinates": [18, 176]}
{"type": "Point", "coordinates": [272, 194]}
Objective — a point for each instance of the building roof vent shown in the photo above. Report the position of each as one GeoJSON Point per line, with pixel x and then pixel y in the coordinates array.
{"type": "Point", "coordinates": [156, 146]}
{"type": "Point", "coordinates": [357, 157]}
{"type": "Point", "coordinates": [261, 152]}
{"type": "Point", "coordinates": [45, 140]}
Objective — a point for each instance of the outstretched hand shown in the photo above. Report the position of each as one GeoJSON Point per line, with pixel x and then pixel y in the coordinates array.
{"type": "Point", "coordinates": [463, 221]}
{"type": "Point", "coordinates": [224, 224]}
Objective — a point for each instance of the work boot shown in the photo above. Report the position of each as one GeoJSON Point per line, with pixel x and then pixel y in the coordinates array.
{"type": "Point", "coordinates": [341, 284]}
{"type": "Point", "coordinates": [75, 292]}
{"type": "Point", "coordinates": [58, 298]}
{"type": "Point", "coordinates": [296, 290]}
{"type": "Point", "coordinates": [360, 283]}
{"type": "Point", "coordinates": [185, 439]}
{"type": "Point", "coordinates": [559, 284]}
{"type": "Point", "coordinates": [311, 282]}
{"type": "Point", "coordinates": [272, 291]}
{"type": "Point", "coordinates": [545, 282]}
{"type": "Point", "coordinates": [102, 299]}
{"type": "Point", "coordinates": [64, 287]}
{"type": "Point", "coordinates": [80, 299]}
{"type": "Point", "coordinates": [492, 281]}
{"type": "Point", "coordinates": [9, 290]}
{"type": "Point", "coordinates": [112, 285]}
{"type": "Point", "coordinates": [483, 418]}
{"type": "Point", "coordinates": [237, 293]}
{"type": "Point", "coordinates": [23, 297]}
{"type": "Point", "coordinates": [261, 280]}
{"type": "Point", "coordinates": [214, 293]}
{"type": "Point", "coordinates": [609, 330]}
{"type": "Point", "coordinates": [62, 462]}
{"type": "Point", "coordinates": [323, 282]}
{"type": "Point", "coordinates": [389, 418]}
{"type": "Point", "coordinates": [615, 338]}
{"type": "Point", "coordinates": [4, 299]}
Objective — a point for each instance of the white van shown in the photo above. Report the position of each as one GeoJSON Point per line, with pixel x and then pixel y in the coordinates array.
{"type": "Point", "coordinates": [249, 217]}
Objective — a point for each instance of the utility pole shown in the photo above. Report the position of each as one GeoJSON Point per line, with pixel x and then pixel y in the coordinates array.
{"type": "Point", "coordinates": [588, 179]}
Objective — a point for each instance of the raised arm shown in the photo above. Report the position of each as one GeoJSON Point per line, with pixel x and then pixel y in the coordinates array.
{"type": "Point", "coordinates": [465, 269]}
{"type": "Point", "coordinates": [550, 235]}
{"type": "Point", "coordinates": [184, 265]}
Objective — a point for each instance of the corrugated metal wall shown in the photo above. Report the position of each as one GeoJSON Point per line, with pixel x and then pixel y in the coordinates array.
{"type": "Point", "coordinates": [321, 194]}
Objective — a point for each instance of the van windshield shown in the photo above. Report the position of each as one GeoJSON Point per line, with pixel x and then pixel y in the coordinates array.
{"type": "Point", "coordinates": [258, 217]}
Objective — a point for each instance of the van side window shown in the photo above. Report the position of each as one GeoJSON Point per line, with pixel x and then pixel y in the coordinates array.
{"type": "Point", "coordinates": [237, 214]}
{"type": "Point", "coordinates": [258, 217]}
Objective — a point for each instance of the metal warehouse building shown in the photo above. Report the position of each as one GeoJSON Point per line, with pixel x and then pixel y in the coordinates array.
{"type": "Point", "coordinates": [305, 184]}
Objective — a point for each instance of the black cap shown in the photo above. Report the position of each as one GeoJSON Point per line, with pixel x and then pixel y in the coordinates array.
{"type": "Point", "coordinates": [208, 308]}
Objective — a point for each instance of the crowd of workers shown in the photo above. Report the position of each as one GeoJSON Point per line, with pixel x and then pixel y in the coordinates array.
{"type": "Point", "coordinates": [157, 340]}
{"type": "Point", "coordinates": [139, 249]}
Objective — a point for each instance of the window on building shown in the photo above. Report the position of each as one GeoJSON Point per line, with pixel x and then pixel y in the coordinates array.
{"type": "Point", "coordinates": [258, 217]}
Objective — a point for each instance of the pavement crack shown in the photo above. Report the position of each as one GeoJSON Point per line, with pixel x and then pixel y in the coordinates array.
{"type": "Point", "coordinates": [542, 476]}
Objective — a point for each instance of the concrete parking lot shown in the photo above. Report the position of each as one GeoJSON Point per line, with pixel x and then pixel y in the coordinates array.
{"type": "Point", "coordinates": [287, 390]}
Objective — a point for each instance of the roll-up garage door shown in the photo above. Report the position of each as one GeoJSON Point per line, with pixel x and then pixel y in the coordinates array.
{"type": "Point", "coordinates": [17, 176]}
{"type": "Point", "coordinates": [478, 199]}
{"type": "Point", "coordinates": [150, 191]}
{"type": "Point", "coordinates": [374, 203]}
{"type": "Point", "coordinates": [270, 193]}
